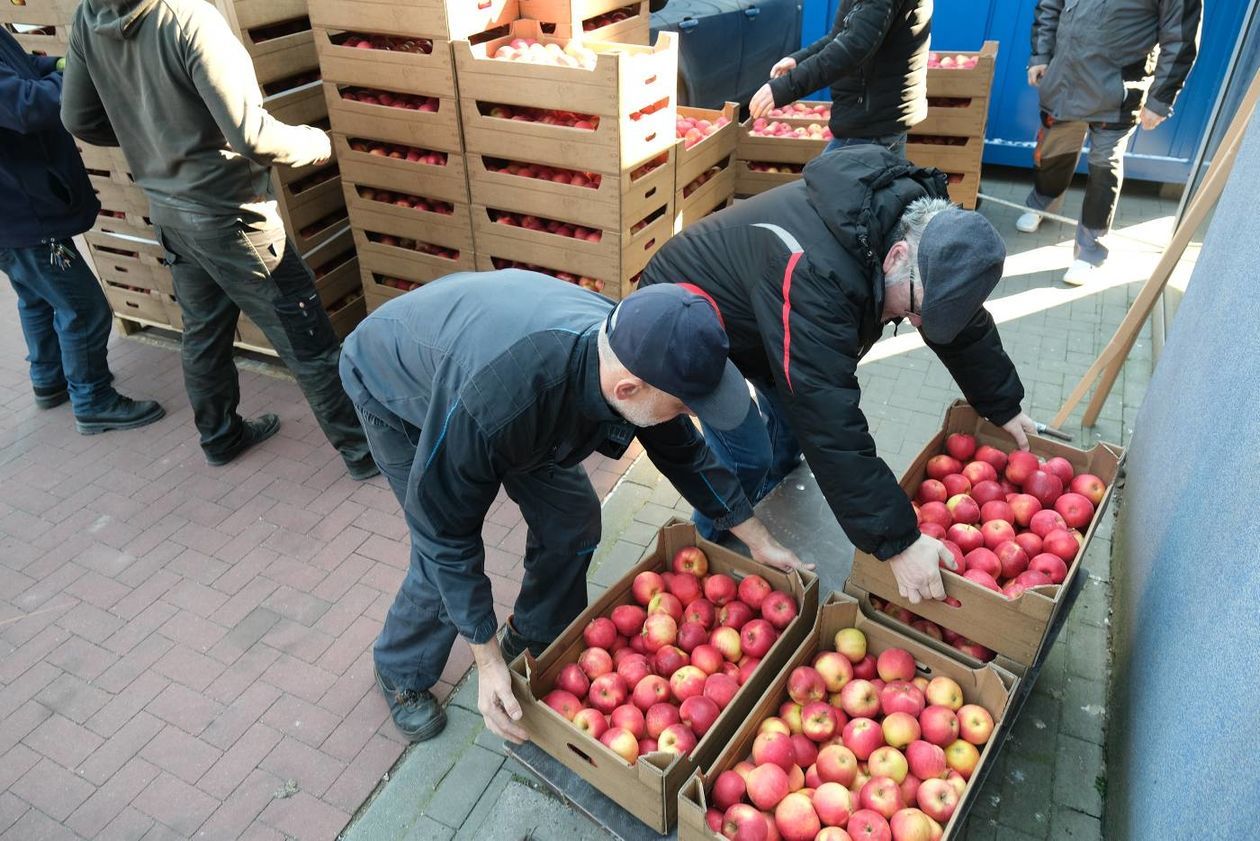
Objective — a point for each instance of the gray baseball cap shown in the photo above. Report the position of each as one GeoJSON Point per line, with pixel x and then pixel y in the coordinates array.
{"type": "Point", "coordinates": [960, 262]}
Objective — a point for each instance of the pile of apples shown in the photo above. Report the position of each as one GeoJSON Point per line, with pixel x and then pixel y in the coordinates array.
{"type": "Point", "coordinates": [764, 166]}
{"type": "Point", "coordinates": [324, 222]}
{"type": "Point", "coordinates": [554, 174]}
{"type": "Point", "coordinates": [412, 154]}
{"type": "Point", "coordinates": [592, 283]}
{"type": "Point", "coordinates": [396, 283]}
{"type": "Point", "coordinates": [391, 99]}
{"type": "Point", "coordinates": [691, 130]}
{"type": "Point", "coordinates": [443, 208]}
{"type": "Point", "coordinates": [961, 61]}
{"type": "Point", "coordinates": [643, 169]}
{"type": "Point", "coordinates": [414, 245]}
{"type": "Point", "coordinates": [546, 226]}
{"type": "Point", "coordinates": [657, 673]}
{"type": "Point", "coordinates": [345, 301]}
{"type": "Point", "coordinates": [331, 265]}
{"type": "Point", "coordinates": [392, 43]}
{"type": "Point", "coordinates": [314, 180]}
{"type": "Point", "coordinates": [803, 110]}
{"type": "Point", "coordinates": [1011, 521]}
{"type": "Point", "coordinates": [937, 632]}
{"type": "Point", "coordinates": [863, 748]}
{"type": "Point", "coordinates": [701, 180]}
{"type": "Point", "coordinates": [762, 127]}
{"type": "Point", "coordinates": [529, 51]}
{"type": "Point", "coordinates": [609, 18]}
{"type": "Point", "coordinates": [525, 114]}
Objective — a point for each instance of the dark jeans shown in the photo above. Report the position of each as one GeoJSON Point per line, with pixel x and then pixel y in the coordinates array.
{"type": "Point", "coordinates": [895, 143]}
{"type": "Point", "coordinates": [761, 452]}
{"type": "Point", "coordinates": [563, 514]}
{"type": "Point", "coordinates": [220, 273]}
{"type": "Point", "coordinates": [65, 319]}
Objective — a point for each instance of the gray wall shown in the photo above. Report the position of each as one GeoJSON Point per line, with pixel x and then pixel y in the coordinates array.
{"type": "Point", "coordinates": [1184, 740]}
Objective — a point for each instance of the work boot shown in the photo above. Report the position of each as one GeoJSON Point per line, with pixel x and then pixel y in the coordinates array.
{"type": "Point", "coordinates": [1029, 222]}
{"type": "Point", "coordinates": [363, 469]}
{"type": "Point", "coordinates": [51, 396]}
{"type": "Point", "coordinates": [255, 432]}
{"type": "Point", "coordinates": [123, 413]}
{"type": "Point", "coordinates": [415, 711]}
{"type": "Point", "coordinates": [513, 644]}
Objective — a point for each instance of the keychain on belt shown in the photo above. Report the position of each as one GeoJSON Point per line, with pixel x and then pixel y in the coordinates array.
{"type": "Point", "coordinates": [60, 257]}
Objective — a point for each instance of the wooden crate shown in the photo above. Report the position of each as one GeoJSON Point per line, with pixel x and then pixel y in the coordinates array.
{"type": "Point", "coordinates": [716, 193]}
{"type": "Point", "coordinates": [446, 181]}
{"type": "Point", "coordinates": [303, 105]}
{"type": "Point", "coordinates": [432, 73]}
{"type": "Point", "coordinates": [346, 314]}
{"type": "Point", "coordinates": [39, 12]}
{"type": "Point", "coordinates": [750, 182]}
{"type": "Point", "coordinates": [592, 19]}
{"type": "Point", "coordinates": [964, 188]}
{"type": "Point", "coordinates": [246, 15]}
{"type": "Point", "coordinates": [48, 39]}
{"type": "Point", "coordinates": [625, 80]}
{"type": "Point", "coordinates": [315, 217]}
{"type": "Point", "coordinates": [136, 304]}
{"type": "Point", "coordinates": [377, 291]}
{"type": "Point", "coordinates": [956, 155]}
{"type": "Point", "coordinates": [129, 262]}
{"type": "Point", "coordinates": [103, 157]}
{"type": "Point", "coordinates": [362, 206]}
{"type": "Point", "coordinates": [294, 191]}
{"type": "Point", "coordinates": [791, 150]}
{"type": "Point", "coordinates": [956, 116]}
{"type": "Point", "coordinates": [974, 82]}
{"type": "Point", "coordinates": [447, 19]}
{"type": "Point", "coordinates": [396, 261]}
{"type": "Point", "coordinates": [123, 198]}
{"type": "Point", "coordinates": [335, 265]}
{"type": "Point", "coordinates": [795, 112]}
{"type": "Point", "coordinates": [710, 151]}
{"type": "Point", "coordinates": [128, 226]}
{"type": "Point", "coordinates": [282, 175]}
{"type": "Point", "coordinates": [439, 130]}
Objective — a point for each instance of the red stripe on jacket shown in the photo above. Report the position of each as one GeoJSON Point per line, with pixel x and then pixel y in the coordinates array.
{"type": "Point", "coordinates": [787, 318]}
{"type": "Point", "coordinates": [691, 287]}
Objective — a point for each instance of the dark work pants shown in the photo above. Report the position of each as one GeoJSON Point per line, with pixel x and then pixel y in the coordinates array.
{"type": "Point", "coordinates": [1059, 145]}
{"type": "Point", "coordinates": [562, 512]}
{"type": "Point", "coordinates": [219, 274]}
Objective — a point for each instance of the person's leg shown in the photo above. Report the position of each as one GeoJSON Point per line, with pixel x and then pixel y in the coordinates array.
{"type": "Point", "coordinates": [266, 277]}
{"type": "Point", "coordinates": [745, 450]}
{"type": "Point", "coordinates": [1054, 161]}
{"type": "Point", "coordinates": [1102, 189]}
{"type": "Point", "coordinates": [36, 315]}
{"type": "Point", "coordinates": [563, 514]}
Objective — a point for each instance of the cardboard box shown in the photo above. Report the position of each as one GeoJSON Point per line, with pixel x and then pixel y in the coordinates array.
{"type": "Point", "coordinates": [135, 304]}
{"type": "Point", "coordinates": [625, 80]}
{"type": "Point", "coordinates": [750, 182]}
{"type": "Point", "coordinates": [649, 788]}
{"type": "Point", "coordinates": [709, 152]}
{"type": "Point", "coordinates": [956, 116]}
{"type": "Point", "coordinates": [953, 154]}
{"type": "Point", "coordinates": [974, 82]}
{"type": "Point", "coordinates": [447, 19]}
{"type": "Point", "coordinates": [439, 130]}
{"type": "Point", "coordinates": [987, 686]}
{"type": "Point", "coordinates": [431, 73]}
{"type": "Point", "coordinates": [716, 193]}
{"type": "Point", "coordinates": [1014, 629]}
{"type": "Point", "coordinates": [448, 181]}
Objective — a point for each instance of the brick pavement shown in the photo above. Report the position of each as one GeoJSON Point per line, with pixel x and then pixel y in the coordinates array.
{"type": "Point", "coordinates": [178, 641]}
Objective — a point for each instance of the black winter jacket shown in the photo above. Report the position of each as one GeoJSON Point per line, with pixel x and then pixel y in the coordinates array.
{"type": "Point", "coordinates": [875, 61]}
{"type": "Point", "coordinates": [797, 275]}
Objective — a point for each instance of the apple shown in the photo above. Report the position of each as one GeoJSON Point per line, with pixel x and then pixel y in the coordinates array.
{"type": "Point", "coordinates": [757, 637]}
{"type": "Point", "coordinates": [729, 788]}
{"type": "Point", "coordinates": [668, 604]}
{"type": "Point", "coordinates": [993, 456]}
{"type": "Point", "coordinates": [686, 588]}
{"type": "Point", "coordinates": [835, 670]}
{"type": "Point", "coordinates": [796, 819]}
{"type": "Point", "coordinates": [743, 822]}
{"type": "Point", "coordinates": [859, 699]}
{"type": "Point", "coordinates": [652, 689]}
{"type": "Point", "coordinates": [1030, 578]}
{"type": "Point", "coordinates": [966, 537]}
{"type": "Point", "coordinates": [865, 668]}
{"type": "Point", "coordinates": [702, 612]}
{"type": "Point", "coordinates": [962, 756]}
{"type": "Point", "coordinates": [1089, 486]}
{"type": "Point", "coordinates": [747, 666]}
{"type": "Point", "coordinates": [595, 662]}
{"type": "Point", "coordinates": [634, 668]}
{"type": "Point", "coordinates": [818, 721]}
{"type": "Point", "coordinates": [687, 682]}
{"type": "Point", "coordinates": [1044, 487]}
{"type": "Point", "coordinates": [979, 471]}
{"type": "Point", "coordinates": [805, 750]}
{"type": "Point", "coordinates": [963, 509]}
{"type": "Point", "coordinates": [923, 626]}
{"type": "Point", "coordinates": [944, 691]}
{"type": "Point", "coordinates": [901, 696]}
{"type": "Point", "coordinates": [1063, 543]}
{"type": "Point", "coordinates": [668, 660]}
{"type": "Point", "coordinates": [881, 795]}
{"type": "Point", "coordinates": [1046, 521]}
{"type": "Point", "coordinates": [863, 736]}
{"type": "Point", "coordinates": [573, 680]}
{"type": "Point", "coordinates": [911, 825]}
{"type": "Point", "coordinates": [900, 729]}
{"type": "Point", "coordinates": [836, 764]}
{"type": "Point", "coordinates": [790, 712]}
{"type": "Point", "coordinates": [932, 490]}
{"type": "Point", "coordinates": [1060, 467]}
{"type": "Point", "coordinates": [936, 513]}
{"type": "Point", "coordinates": [833, 833]}
{"type": "Point", "coordinates": [767, 785]}
{"type": "Point", "coordinates": [939, 725]}
{"type": "Point", "coordinates": [676, 739]}
{"type": "Point", "coordinates": [774, 724]}
{"type": "Point", "coordinates": [833, 803]}
{"type": "Point", "coordinates": [1075, 509]}
{"type": "Point", "coordinates": [753, 590]}
{"type": "Point", "coordinates": [628, 619]}
{"type": "Point", "coordinates": [1029, 542]}
{"type": "Point", "coordinates": [622, 743]}
{"type": "Point", "coordinates": [956, 484]}
{"type": "Point", "coordinates": [707, 659]}
{"type": "Point", "coordinates": [938, 467]}
{"type": "Point", "coordinates": [1020, 465]}
{"type": "Point", "coordinates": [895, 664]}
{"type": "Point", "coordinates": [938, 799]}
{"type": "Point", "coordinates": [735, 614]}
{"type": "Point", "coordinates": [659, 630]}
{"type": "Point", "coordinates": [1024, 507]}
{"type": "Point", "coordinates": [629, 717]}
{"type": "Point", "coordinates": [721, 689]}
{"type": "Point", "coordinates": [693, 635]}
{"type": "Point", "coordinates": [658, 717]}
{"type": "Point", "coordinates": [985, 492]}
{"type": "Point", "coordinates": [712, 818]}
{"type": "Point", "coordinates": [983, 559]}
{"type": "Point", "coordinates": [956, 780]}
{"type": "Point", "coordinates": [600, 633]}
{"type": "Point", "coordinates": [972, 649]}
{"type": "Point", "coordinates": [1051, 566]}
{"type": "Point", "coordinates": [779, 609]}
{"type": "Point", "coordinates": [591, 722]}
{"type": "Point", "coordinates": [729, 642]}
{"type": "Point", "coordinates": [699, 713]}
{"type": "Point", "coordinates": [997, 509]}
{"type": "Point", "coordinates": [890, 762]}
{"type": "Point", "coordinates": [866, 825]}
{"type": "Point", "coordinates": [995, 533]}
{"type": "Point", "coordinates": [961, 446]}
{"type": "Point", "coordinates": [646, 585]}
{"type": "Point", "coordinates": [805, 684]}
{"type": "Point", "coordinates": [692, 561]}
{"type": "Point", "coordinates": [926, 760]}
{"type": "Point", "coordinates": [719, 588]}
{"type": "Point", "coordinates": [975, 724]}
{"type": "Point", "coordinates": [1014, 560]}
{"type": "Point", "coordinates": [774, 748]}
{"type": "Point", "coordinates": [608, 691]}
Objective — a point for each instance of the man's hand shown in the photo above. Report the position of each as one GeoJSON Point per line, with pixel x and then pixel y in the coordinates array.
{"type": "Point", "coordinates": [783, 67]}
{"type": "Point", "coordinates": [765, 549]}
{"type": "Point", "coordinates": [762, 102]}
{"type": "Point", "coordinates": [918, 571]}
{"type": "Point", "coordinates": [1019, 428]}
{"type": "Point", "coordinates": [1035, 73]}
{"type": "Point", "coordinates": [495, 700]}
{"type": "Point", "coordinates": [1150, 119]}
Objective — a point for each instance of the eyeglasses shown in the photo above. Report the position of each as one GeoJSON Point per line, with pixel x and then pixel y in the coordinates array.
{"type": "Point", "coordinates": [912, 311]}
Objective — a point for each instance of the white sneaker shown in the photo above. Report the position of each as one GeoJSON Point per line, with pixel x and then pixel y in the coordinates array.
{"type": "Point", "coordinates": [1029, 222]}
{"type": "Point", "coordinates": [1080, 273]}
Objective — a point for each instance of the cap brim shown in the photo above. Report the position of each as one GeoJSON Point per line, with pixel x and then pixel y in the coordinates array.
{"type": "Point", "coordinates": [727, 405]}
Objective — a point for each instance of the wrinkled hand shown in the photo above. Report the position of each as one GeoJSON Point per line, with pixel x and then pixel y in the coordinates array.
{"type": "Point", "coordinates": [762, 102]}
{"type": "Point", "coordinates": [782, 67]}
{"type": "Point", "coordinates": [495, 700]}
{"type": "Point", "coordinates": [1150, 119]}
{"type": "Point", "coordinates": [1035, 73]}
{"type": "Point", "coordinates": [917, 569]}
{"type": "Point", "coordinates": [780, 557]}
{"type": "Point", "coordinates": [1019, 428]}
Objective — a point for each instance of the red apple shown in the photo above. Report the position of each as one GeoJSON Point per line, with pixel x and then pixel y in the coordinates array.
{"type": "Point", "coordinates": [805, 750]}
{"type": "Point", "coordinates": [691, 560]}
{"type": "Point", "coordinates": [985, 560]}
{"type": "Point", "coordinates": [745, 823]}
{"type": "Point", "coordinates": [932, 490]}
{"type": "Point", "coordinates": [691, 636]}
{"type": "Point", "coordinates": [938, 800]}
{"type": "Point", "coordinates": [956, 484]}
{"type": "Point", "coordinates": [652, 689]}
{"type": "Point", "coordinates": [1046, 521]}
{"type": "Point", "coordinates": [565, 703]}
{"type": "Point", "coordinates": [622, 743]}
{"type": "Point", "coordinates": [600, 633]}
{"type": "Point", "coordinates": [666, 603]}
{"type": "Point", "coordinates": [735, 614]}
{"type": "Point", "coordinates": [965, 536]}
{"type": "Point", "coordinates": [993, 456]}
{"type": "Point", "coordinates": [659, 630]}
{"type": "Point", "coordinates": [1029, 542]}
{"type": "Point", "coordinates": [687, 682]}
{"type": "Point", "coordinates": [1063, 543]}
{"type": "Point", "coordinates": [1020, 465]}
{"type": "Point", "coordinates": [833, 803]}
{"type": "Point", "coordinates": [975, 724]}
{"type": "Point", "coordinates": [729, 788]}
{"type": "Point", "coordinates": [775, 749]}
{"type": "Point", "coordinates": [699, 713]}
{"type": "Point", "coordinates": [779, 609]}
{"type": "Point", "coordinates": [818, 721]}
{"type": "Point", "coordinates": [757, 637]}
{"type": "Point", "coordinates": [591, 722]}
{"type": "Point", "coordinates": [707, 658]}
{"type": "Point", "coordinates": [937, 513]}
{"type": "Point", "coordinates": [1060, 467]}
{"type": "Point", "coordinates": [961, 446]}
{"type": "Point", "coordinates": [895, 664]}
{"type": "Point", "coordinates": [979, 471]}
{"type": "Point", "coordinates": [629, 717]}
{"type": "Point", "coordinates": [862, 736]}
{"type": "Point", "coordinates": [1014, 560]}
{"type": "Point", "coordinates": [595, 662]}
{"type": "Point", "coordinates": [900, 729]}
{"type": "Point", "coordinates": [1089, 486]}
{"type": "Point", "coordinates": [721, 689]}
{"type": "Point", "coordinates": [982, 578]}
{"type": "Point", "coordinates": [684, 587]}
{"type": "Point", "coordinates": [836, 764]}
{"type": "Point", "coordinates": [1051, 566]}
{"type": "Point", "coordinates": [901, 696]}
{"type": "Point", "coordinates": [986, 492]}
{"type": "Point", "coordinates": [1075, 509]}
{"type": "Point", "coordinates": [677, 739]}
{"type": "Point", "coordinates": [1044, 487]}
{"type": "Point", "coordinates": [634, 668]}
{"type": "Point", "coordinates": [668, 660]}
{"type": "Point", "coordinates": [573, 680]}
{"type": "Point", "coordinates": [753, 590]}
{"type": "Point", "coordinates": [628, 619]}
{"type": "Point", "coordinates": [805, 684]}
{"type": "Point", "coordinates": [997, 532]}
{"type": "Point", "coordinates": [926, 760]}
{"type": "Point", "coordinates": [866, 825]}
{"type": "Point", "coordinates": [608, 692]}
{"type": "Point", "coordinates": [747, 666]}
{"type": "Point", "coordinates": [938, 467]}
{"type": "Point", "coordinates": [646, 585]}
{"type": "Point", "coordinates": [702, 612]}
{"type": "Point", "coordinates": [860, 699]}
{"type": "Point", "coordinates": [882, 796]}
{"type": "Point", "coordinates": [1024, 507]}
{"type": "Point", "coordinates": [963, 509]}
{"type": "Point", "coordinates": [658, 717]}
{"type": "Point", "coordinates": [939, 725]}
{"type": "Point", "coordinates": [998, 509]}
{"type": "Point", "coordinates": [719, 589]}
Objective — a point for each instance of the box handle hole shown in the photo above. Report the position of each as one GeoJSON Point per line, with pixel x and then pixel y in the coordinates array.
{"type": "Point", "coordinates": [580, 753]}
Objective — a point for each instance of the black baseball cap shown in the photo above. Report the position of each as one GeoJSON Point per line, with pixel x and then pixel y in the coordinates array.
{"type": "Point", "coordinates": [961, 256]}
{"type": "Point", "coordinates": [673, 340]}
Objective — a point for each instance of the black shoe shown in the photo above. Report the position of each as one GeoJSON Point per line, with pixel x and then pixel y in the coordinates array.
{"type": "Point", "coordinates": [415, 711]}
{"type": "Point", "coordinates": [363, 469]}
{"type": "Point", "coordinates": [50, 397]}
{"type": "Point", "coordinates": [125, 413]}
{"type": "Point", "coordinates": [255, 432]}
{"type": "Point", "coordinates": [513, 644]}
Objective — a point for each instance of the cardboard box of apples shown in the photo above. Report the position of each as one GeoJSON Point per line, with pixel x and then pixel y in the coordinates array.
{"type": "Point", "coordinates": [864, 734]}
{"type": "Point", "coordinates": [1017, 523]}
{"type": "Point", "coordinates": [652, 680]}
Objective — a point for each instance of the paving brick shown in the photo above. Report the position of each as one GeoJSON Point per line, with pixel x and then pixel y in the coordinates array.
{"type": "Point", "coordinates": [241, 714]}
{"type": "Point", "coordinates": [1077, 768]}
{"type": "Point", "coordinates": [242, 636]}
{"type": "Point", "coordinates": [354, 730]}
{"type": "Point", "coordinates": [239, 810]}
{"type": "Point", "coordinates": [305, 818]}
{"type": "Point", "coordinates": [239, 761]}
{"type": "Point", "coordinates": [119, 748]}
{"type": "Point", "coordinates": [130, 825]}
{"type": "Point", "coordinates": [73, 698]}
{"type": "Point", "coordinates": [14, 763]}
{"type": "Point", "coordinates": [12, 808]}
{"type": "Point", "coordinates": [300, 719]}
{"type": "Point", "coordinates": [188, 629]}
{"type": "Point", "coordinates": [52, 789]}
{"type": "Point", "coordinates": [63, 741]}
{"type": "Point", "coordinates": [196, 598]}
{"type": "Point", "coordinates": [176, 804]}
{"type": "Point", "coordinates": [175, 752]}
{"type": "Point", "coordinates": [459, 792]}
{"type": "Point", "coordinates": [297, 606]}
{"type": "Point", "coordinates": [298, 678]}
{"type": "Point", "coordinates": [313, 770]}
{"type": "Point", "coordinates": [1084, 709]}
{"type": "Point", "coordinates": [189, 667]}
{"type": "Point", "coordinates": [1076, 826]}
{"type": "Point", "coordinates": [139, 631]}
{"type": "Point", "coordinates": [89, 621]}
{"type": "Point", "coordinates": [35, 824]}
{"type": "Point", "coordinates": [123, 706]}
{"type": "Point", "coordinates": [190, 711]}
{"type": "Point", "coordinates": [363, 774]}
{"type": "Point", "coordinates": [110, 799]}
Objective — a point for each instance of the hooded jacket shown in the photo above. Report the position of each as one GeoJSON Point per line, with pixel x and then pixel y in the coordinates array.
{"type": "Point", "coordinates": [875, 61]}
{"type": "Point", "coordinates": [797, 273]}
{"type": "Point", "coordinates": [44, 190]}
{"type": "Point", "coordinates": [168, 82]}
